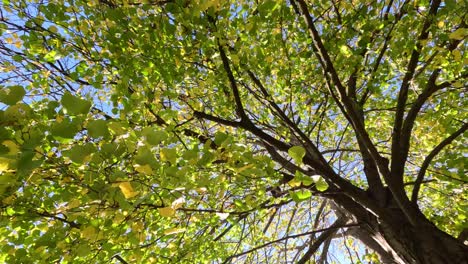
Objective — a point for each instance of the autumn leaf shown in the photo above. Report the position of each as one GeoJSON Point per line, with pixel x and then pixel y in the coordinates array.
{"type": "Point", "coordinates": [127, 190]}
{"type": "Point", "coordinates": [172, 231]}
{"type": "Point", "coordinates": [166, 211]}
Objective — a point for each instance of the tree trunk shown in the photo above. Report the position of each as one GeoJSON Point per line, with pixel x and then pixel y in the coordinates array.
{"type": "Point", "coordinates": [397, 241]}
{"type": "Point", "coordinates": [424, 243]}
{"type": "Point", "coordinates": [378, 244]}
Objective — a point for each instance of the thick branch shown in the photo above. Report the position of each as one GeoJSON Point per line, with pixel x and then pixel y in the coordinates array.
{"type": "Point", "coordinates": [216, 119]}
{"type": "Point", "coordinates": [399, 147]}
{"type": "Point", "coordinates": [235, 90]}
{"type": "Point", "coordinates": [376, 243]}
{"type": "Point", "coordinates": [430, 157]}
{"type": "Point", "coordinates": [61, 219]}
{"type": "Point", "coordinates": [347, 105]}
{"type": "Point", "coordinates": [408, 125]}
{"type": "Point", "coordinates": [394, 179]}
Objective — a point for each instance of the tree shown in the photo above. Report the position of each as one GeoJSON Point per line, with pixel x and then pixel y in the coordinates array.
{"type": "Point", "coordinates": [233, 131]}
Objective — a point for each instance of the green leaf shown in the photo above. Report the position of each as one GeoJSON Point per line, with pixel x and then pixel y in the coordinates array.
{"type": "Point", "coordinates": [320, 183]}
{"type": "Point", "coordinates": [74, 105]}
{"type": "Point", "coordinates": [168, 154]}
{"type": "Point", "coordinates": [154, 136]}
{"type": "Point", "coordinates": [220, 137]}
{"type": "Point", "coordinates": [306, 180]}
{"type": "Point", "coordinates": [190, 154]}
{"type": "Point", "coordinates": [26, 162]}
{"type": "Point", "coordinates": [18, 113]}
{"type": "Point", "coordinates": [79, 154]}
{"type": "Point", "coordinates": [206, 159]}
{"type": "Point", "coordinates": [98, 128]}
{"type": "Point", "coordinates": [297, 153]}
{"type": "Point", "coordinates": [12, 94]}
{"type": "Point", "coordinates": [300, 195]}
{"type": "Point", "coordinates": [83, 250]}
{"type": "Point", "coordinates": [459, 34]}
{"type": "Point", "coordinates": [52, 56]}
{"type": "Point", "coordinates": [144, 156]}
{"type": "Point", "coordinates": [65, 129]}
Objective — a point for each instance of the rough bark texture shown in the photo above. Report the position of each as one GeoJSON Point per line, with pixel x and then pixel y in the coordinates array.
{"type": "Point", "coordinates": [424, 243]}
{"type": "Point", "coordinates": [378, 244]}
{"type": "Point", "coordinates": [397, 241]}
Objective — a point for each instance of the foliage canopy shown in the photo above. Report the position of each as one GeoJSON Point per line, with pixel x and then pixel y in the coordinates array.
{"type": "Point", "coordinates": [211, 131]}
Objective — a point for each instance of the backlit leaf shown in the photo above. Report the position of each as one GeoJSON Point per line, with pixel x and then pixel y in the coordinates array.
{"type": "Point", "coordinates": [300, 195]}
{"type": "Point", "coordinates": [11, 95]}
{"type": "Point", "coordinates": [98, 128]}
{"type": "Point", "coordinates": [127, 190]}
{"type": "Point", "coordinates": [154, 137]}
{"type": "Point", "coordinates": [459, 34]}
{"type": "Point", "coordinates": [166, 211]}
{"type": "Point", "coordinates": [75, 105]}
{"type": "Point", "coordinates": [168, 154]}
{"type": "Point", "coordinates": [172, 231]}
{"type": "Point", "coordinates": [297, 153]}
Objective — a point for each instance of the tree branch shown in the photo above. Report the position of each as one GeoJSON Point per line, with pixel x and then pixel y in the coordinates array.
{"type": "Point", "coordinates": [399, 147]}
{"type": "Point", "coordinates": [119, 258]}
{"type": "Point", "coordinates": [320, 240]}
{"type": "Point", "coordinates": [430, 157]}
{"type": "Point", "coordinates": [232, 81]}
{"type": "Point", "coordinates": [348, 106]}
{"type": "Point", "coordinates": [216, 119]}
{"type": "Point", "coordinates": [289, 237]}
{"type": "Point", "coordinates": [394, 179]}
{"type": "Point", "coordinates": [312, 149]}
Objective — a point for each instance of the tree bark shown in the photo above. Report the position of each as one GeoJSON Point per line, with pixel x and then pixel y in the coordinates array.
{"type": "Point", "coordinates": [378, 244]}
{"type": "Point", "coordinates": [424, 243]}
{"type": "Point", "coordinates": [397, 241]}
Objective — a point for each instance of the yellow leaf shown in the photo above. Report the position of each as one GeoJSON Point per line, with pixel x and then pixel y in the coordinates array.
{"type": "Point", "coordinates": [241, 169]}
{"type": "Point", "coordinates": [459, 34]}
{"type": "Point", "coordinates": [53, 29]}
{"type": "Point", "coordinates": [138, 226]}
{"type": "Point", "coordinates": [166, 211]}
{"type": "Point", "coordinates": [235, 59]}
{"type": "Point", "coordinates": [145, 169]}
{"type": "Point", "coordinates": [345, 50]}
{"type": "Point", "coordinates": [8, 200]}
{"type": "Point", "coordinates": [13, 148]}
{"type": "Point", "coordinates": [202, 190]}
{"type": "Point", "coordinates": [92, 3]}
{"type": "Point", "coordinates": [456, 55]}
{"type": "Point", "coordinates": [176, 204]}
{"type": "Point", "coordinates": [440, 24]}
{"type": "Point", "coordinates": [18, 44]}
{"type": "Point", "coordinates": [4, 164]}
{"type": "Point", "coordinates": [294, 183]}
{"type": "Point", "coordinates": [172, 231]}
{"type": "Point", "coordinates": [127, 190]}
{"type": "Point", "coordinates": [88, 233]}
{"type": "Point", "coordinates": [118, 218]}
{"type": "Point", "coordinates": [74, 203]}
{"type": "Point", "coordinates": [142, 237]}
{"type": "Point", "coordinates": [62, 244]}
